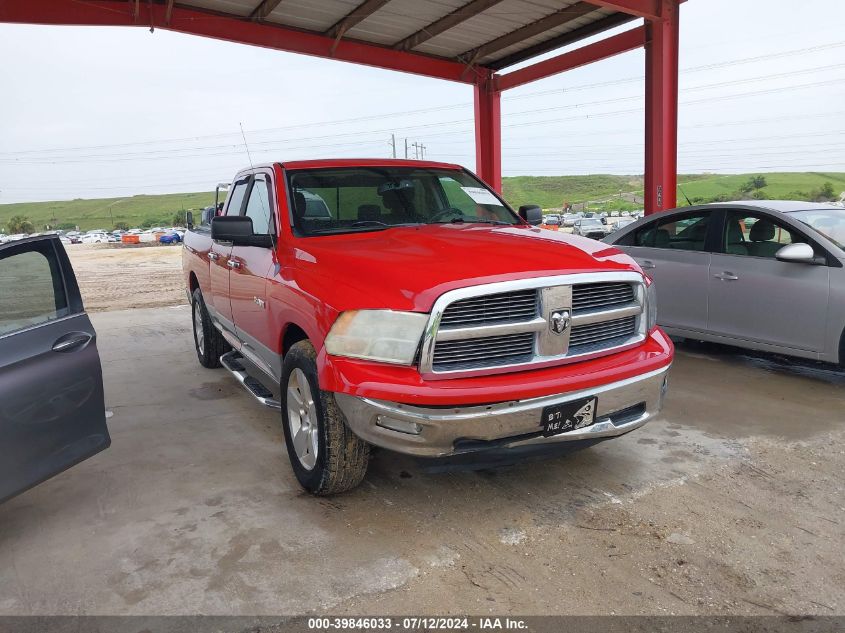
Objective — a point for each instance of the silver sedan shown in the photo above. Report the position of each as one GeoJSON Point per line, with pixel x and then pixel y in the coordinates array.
{"type": "Point", "coordinates": [766, 275]}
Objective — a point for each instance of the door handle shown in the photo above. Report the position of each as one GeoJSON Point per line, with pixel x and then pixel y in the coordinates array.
{"type": "Point", "coordinates": [213, 256]}
{"type": "Point", "coordinates": [648, 265]}
{"type": "Point", "coordinates": [726, 276]}
{"type": "Point", "coordinates": [233, 263]}
{"type": "Point", "coordinates": [72, 341]}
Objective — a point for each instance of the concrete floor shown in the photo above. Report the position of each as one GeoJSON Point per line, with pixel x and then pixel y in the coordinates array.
{"type": "Point", "coordinates": [731, 502]}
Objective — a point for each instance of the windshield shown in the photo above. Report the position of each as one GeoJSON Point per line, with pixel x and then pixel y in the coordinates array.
{"type": "Point", "coordinates": [354, 199]}
{"type": "Point", "coordinates": [828, 222]}
{"type": "Point", "coordinates": [590, 222]}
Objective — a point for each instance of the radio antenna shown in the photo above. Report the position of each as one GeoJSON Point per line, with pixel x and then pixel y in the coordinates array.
{"type": "Point", "coordinates": [248, 155]}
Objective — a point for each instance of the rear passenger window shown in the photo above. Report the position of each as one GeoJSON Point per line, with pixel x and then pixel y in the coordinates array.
{"type": "Point", "coordinates": [685, 233]}
{"type": "Point", "coordinates": [755, 235]}
{"type": "Point", "coordinates": [258, 207]}
{"type": "Point", "coordinates": [236, 197]}
{"type": "Point", "coordinates": [31, 288]}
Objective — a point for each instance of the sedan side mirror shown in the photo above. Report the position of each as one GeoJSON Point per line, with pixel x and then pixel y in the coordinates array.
{"type": "Point", "coordinates": [237, 229]}
{"type": "Point", "coordinates": [798, 253]}
{"type": "Point", "coordinates": [531, 213]}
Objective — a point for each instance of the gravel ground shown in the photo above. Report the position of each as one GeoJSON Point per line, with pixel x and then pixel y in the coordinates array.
{"type": "Point", "coordinates": [117, 277]}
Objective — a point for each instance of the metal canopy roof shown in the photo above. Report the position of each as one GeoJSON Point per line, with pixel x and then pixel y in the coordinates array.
{"type": "Point", "coordinates": [489, 33]}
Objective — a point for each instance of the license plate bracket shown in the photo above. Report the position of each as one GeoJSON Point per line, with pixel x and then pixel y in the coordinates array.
{"type": "Point", "coordinates": [568, 416]}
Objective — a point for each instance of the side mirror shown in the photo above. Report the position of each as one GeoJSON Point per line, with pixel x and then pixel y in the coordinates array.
{"type": "Point", "coordinates": [189, 220]}
{"type": "Point", "coordinates": [237, 229]}
{"type": "Point", "coordinates": [798, 253]}
{"type": "Point", "coordinates": [531, 213]}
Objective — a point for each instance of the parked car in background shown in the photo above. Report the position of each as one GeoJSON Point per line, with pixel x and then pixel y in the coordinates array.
{"type": "Point", "coordinates": [95, 238]}
{"type": "Point", "coordinates": [589, 227]}
{"type": "Point", "coordinates": [15, 237]}
{"type": "Point", "coordinates": [403, 304]}
{"type": "Point", "coordinates": [170, 238]}
{"type": "Point", "coordinates": [551, 219]}
{"type": "Point", "coordinates": [766, 275]}
{"type": "Point", "coordinates": [51, 386]}
{"type": "Point", "coordinates": [621, 223]}
{"type": "Point", "coordinates": [569, 219]}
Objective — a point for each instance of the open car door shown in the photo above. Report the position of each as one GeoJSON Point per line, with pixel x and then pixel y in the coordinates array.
{"type": "Point", "coordinates": [52, 413]}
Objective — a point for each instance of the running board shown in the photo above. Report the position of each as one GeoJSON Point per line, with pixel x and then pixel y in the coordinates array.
{"type": "Point", "coordinates": [232, 362]}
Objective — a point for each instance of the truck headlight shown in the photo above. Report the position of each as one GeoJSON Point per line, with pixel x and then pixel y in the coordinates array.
{"type": "Point", "coordinates": [651, 307]}
{"type": "Point", "coordinates": [380, 335]}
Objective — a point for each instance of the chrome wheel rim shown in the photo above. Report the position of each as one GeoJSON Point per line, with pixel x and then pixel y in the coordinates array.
{"type": "Point", "coordinates": [198, 334]}
{"type": "Point", "coordinates": [302, 419]}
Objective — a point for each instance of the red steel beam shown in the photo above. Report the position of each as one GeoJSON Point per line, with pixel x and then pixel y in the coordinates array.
{"type": "Point", "coordinates": [627, 41]}
{"type": "Point", "coordinates": [648, 9]}
{"type": "Point", "coordinates": [232, 29]}
{"type": "Point", "coordinates": [488, 132]}
{"type": "Point", "coordinates": [661, 110]}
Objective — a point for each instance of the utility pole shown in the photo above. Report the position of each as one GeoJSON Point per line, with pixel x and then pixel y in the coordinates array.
{"type": "Point", "coordinates": [406, 149]}
{"type": "Point", "coordinates": [419, 150]}
{"type": "Point", "coordinates": [393, 144]}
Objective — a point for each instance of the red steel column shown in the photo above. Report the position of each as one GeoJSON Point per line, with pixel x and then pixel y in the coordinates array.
{"type": "Point", "coordinates": [661, 109]}
{"type": "Point", "coordinates": [488, 132]}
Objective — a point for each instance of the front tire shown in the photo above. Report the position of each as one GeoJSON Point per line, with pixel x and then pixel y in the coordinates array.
{"type": "Point", "coordinates": [326, 456]}
{"type": "Point", "coordinates": [208, 342]}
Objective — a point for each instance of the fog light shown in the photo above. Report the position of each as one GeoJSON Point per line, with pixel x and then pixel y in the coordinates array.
{"type": "Point", "coordinates": [402, 426]}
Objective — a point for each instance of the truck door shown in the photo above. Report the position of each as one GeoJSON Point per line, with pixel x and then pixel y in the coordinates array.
{"type": "Point", "coordinates": [219, 260]}
{"type": "Point", "coordinates": [52, 414]}
{"type": "Point", "coordinates": [251, 266]}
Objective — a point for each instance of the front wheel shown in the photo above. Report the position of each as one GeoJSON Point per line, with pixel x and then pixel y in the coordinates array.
{"type": "Point", "coordinates": [208, 342]}
{"type": "Point", "coordinates": [326, 456]}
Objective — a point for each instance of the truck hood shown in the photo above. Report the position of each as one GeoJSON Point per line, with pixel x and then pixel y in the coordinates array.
{"type": "Point", "coordinates": [407, 268]}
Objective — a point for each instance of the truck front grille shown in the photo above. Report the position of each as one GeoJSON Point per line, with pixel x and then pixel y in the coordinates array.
{"type": "Point", "coordinates": [599, 335]}
{"type": "Point", "coordinates": [598, 296]}
{"type": "Point", "coordinates": [509, 326]}
{"type": "Point", "coordinates": [498, 308]}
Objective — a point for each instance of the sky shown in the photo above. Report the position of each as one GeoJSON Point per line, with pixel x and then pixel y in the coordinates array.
{"type": "Point", "coordinates": [93, 112]}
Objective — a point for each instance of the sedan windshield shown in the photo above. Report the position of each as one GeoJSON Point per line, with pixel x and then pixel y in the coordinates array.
{"type": "Point", "coordinates": [355, 199]}
{"type": "Point", "coordinates": [828, 222]}
{"type": "Point", "coordinates": [590, 223]}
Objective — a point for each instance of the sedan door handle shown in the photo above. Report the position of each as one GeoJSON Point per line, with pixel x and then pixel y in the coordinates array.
{"type": "Point", "coordinates": [726, 276]}
{"type": "Point", "coordinates": [72, 341]}
{"type": "Point", "coordinates": [213, 256]}
{"type": "Point", "coordinates": [233, 263]}
{"type": "Point", "coordinates": [648, 264]}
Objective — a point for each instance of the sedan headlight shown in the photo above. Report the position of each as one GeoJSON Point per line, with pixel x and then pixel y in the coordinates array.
{"type": "Point", "coordinates": [380, 335]}
{"type": "Point", "coordinates": [651, 307]}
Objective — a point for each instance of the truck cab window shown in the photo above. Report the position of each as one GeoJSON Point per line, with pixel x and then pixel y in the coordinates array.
{"type": "Point", "coordinates": [258, 207]}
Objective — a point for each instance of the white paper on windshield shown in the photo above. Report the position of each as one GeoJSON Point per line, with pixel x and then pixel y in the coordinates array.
{"type": "Point", "coordinates": [480, 195]}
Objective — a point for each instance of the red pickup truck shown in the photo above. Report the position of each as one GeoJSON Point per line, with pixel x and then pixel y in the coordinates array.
{"type": "Point", "coordinates": [405, 305]}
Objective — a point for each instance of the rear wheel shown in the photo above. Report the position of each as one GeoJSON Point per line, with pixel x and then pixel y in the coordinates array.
{"type": "Point", "coordinates": [326, 456]}
{"type": "Point", "coordinates": [208, 342]}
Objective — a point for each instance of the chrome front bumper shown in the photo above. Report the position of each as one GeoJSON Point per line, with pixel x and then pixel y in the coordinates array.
{"type": "Point", "coordinates": [439, 432]}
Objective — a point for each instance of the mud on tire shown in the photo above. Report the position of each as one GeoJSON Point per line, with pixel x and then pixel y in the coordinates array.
{"type": "Point", "coordinates": [208, 342]}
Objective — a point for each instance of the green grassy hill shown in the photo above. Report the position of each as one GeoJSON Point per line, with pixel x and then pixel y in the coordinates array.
{"type": "Point", "coordinates": [547, 191]}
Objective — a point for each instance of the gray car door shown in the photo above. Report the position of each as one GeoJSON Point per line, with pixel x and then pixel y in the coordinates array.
{"type": "Point", "coordinates": [755, 297]}
{"type": "Point", "coordinates": [52, 414]}
{"type": "Point", "coordinates": [672, 250]}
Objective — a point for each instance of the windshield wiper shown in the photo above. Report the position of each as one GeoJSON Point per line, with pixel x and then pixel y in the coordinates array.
{"type": "Point", "coordinates": [472, 221]}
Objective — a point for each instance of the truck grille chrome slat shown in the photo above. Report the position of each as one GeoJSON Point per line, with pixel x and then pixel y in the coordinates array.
{"type": "Point", "coordinates": [493, 308]}
{"type": "Point", "coordinates": [491, 350]}
{"type": "Point", "coordinates": [511, 326]}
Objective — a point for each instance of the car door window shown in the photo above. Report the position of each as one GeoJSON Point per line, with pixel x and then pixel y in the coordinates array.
{"type": "Point", "coordinates": [32, 289]}
{"type": "Point", "coordinates": [258, 207]}
{"type": "Point", "coordinates": [755, 235]}
{"type": "Point", "coordinates": [685, 233]}
{"type": "Point", "coordinates": [236, 197]}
